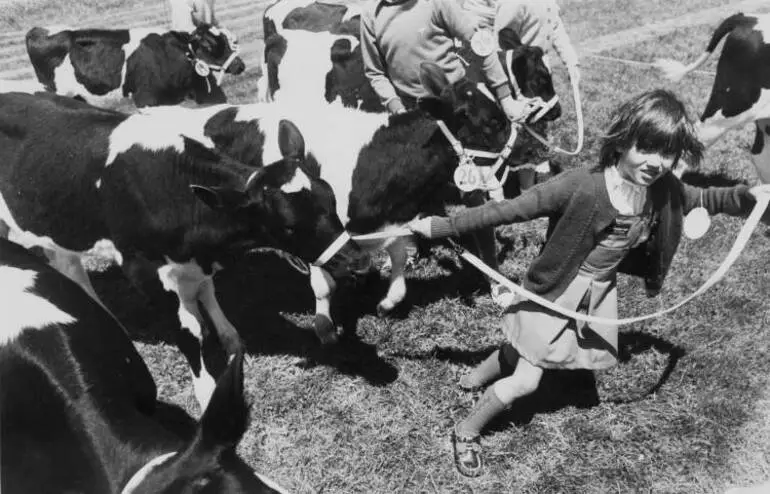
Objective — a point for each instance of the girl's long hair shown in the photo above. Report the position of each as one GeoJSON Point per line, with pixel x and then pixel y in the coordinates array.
{"type": "Point", "coordinates": [656, 121]}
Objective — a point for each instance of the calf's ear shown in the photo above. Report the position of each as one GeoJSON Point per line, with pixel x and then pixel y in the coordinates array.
{"type": "Point", "coordinates": [290, 140]}
{"type": "Point", "coordinates": [219, 198]}
{"type": "Point", "coordinates": [508, 39]}
{"type": "Point", "coordinates": [227, 415]}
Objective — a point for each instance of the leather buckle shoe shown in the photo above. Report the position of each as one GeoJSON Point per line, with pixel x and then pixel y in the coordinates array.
{"type": "Point", "coordinates": [467, 454]}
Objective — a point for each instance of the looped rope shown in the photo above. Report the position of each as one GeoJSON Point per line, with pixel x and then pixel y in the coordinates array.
{"type": "Point", "coordinates": [740, 243]}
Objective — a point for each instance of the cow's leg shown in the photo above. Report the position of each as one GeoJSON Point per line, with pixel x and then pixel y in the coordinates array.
{"type": "Point", "coordinates": [67, 262]}
{"type": "Point", "coordinates": [760, 150]}
{"type": "Point", "coordinates": [323, 288]}
{"type": "Point", "coordinates": [186, 280]}
{"type": "Point", "coordinates": [397, 289]}
{"type": "Point", "coordinates": [228, 335]}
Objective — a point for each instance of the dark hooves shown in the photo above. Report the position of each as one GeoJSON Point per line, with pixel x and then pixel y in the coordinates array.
{"type": "Point", "coordinates": [325, 330]}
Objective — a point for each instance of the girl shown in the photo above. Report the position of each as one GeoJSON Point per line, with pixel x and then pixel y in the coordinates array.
{"type": "Point", "coordinates": [624, 215]}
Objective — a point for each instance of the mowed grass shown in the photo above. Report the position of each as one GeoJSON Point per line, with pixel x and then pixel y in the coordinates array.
{"type": "Point", "coordinates": [684, 412]}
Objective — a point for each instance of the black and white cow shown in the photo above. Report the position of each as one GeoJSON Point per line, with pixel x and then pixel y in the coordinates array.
{"type": "Point", "coordinates": [385, 170]}
{"type": "Point", "coordinates": [177, 211]}
{"type": "Point", "coordinates": [741, 91]}
{"type": "Point", "coordinates": [149, 65]}
{"type": "Point", "coordinates": [78, 404]}
{"type": "Point", "coordinates": [313, 51]}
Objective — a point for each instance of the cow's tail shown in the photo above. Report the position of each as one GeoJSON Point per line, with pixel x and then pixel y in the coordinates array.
{"type": "Point", "coordinates": [675, 71]}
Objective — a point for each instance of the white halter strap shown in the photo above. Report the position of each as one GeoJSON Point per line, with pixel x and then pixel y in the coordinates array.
{"type": "Point", "coordinates": [332, 250]}
{"type": "Point", "coordinates": [143, 472]}
{"type": "Point", "coordinates": [466, 155]}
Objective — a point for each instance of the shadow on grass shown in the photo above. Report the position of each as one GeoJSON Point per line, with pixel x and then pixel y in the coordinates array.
{"type": "Point", "coordinates": [559, 389]}
{"type": "Point", "coordinates": [252, 296]}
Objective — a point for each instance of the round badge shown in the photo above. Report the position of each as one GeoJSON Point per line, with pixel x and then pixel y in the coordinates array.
{"type": "Point", "coordinates": [483, 43]}
{"type": "Point", "coordinates": [201, 68]}
{"type": "Point", "coordinates": [696, 223]}
{"type": "Point", "coordinates": [466, 178]}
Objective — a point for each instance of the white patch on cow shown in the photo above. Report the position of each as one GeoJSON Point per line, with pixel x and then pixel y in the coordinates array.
{"type": "Point", "coordinates": [279, 10]}
{"type": "Point", "coordinates": [298, 182]}
{"type": "Point", "coordinates": [161, 128]}
{"type": "Point", "coordinates": [67, 84]}
{"type": "Point", "coordinates": [22, 309]}
{"type": "Point", "coordinates": [332, 133]}
{"type": "Point", "coordinates": [303, 68]}
{"type": "Point", "coordinates": [715, 126]}
{"type": "Point", "coordinates": [191, 285]}
{"type": "Point", "coordinates": [20, 86]}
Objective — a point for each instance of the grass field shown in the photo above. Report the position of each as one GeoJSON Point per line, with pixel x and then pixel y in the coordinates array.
{"type": "Point", "coordinates": [686, 411]}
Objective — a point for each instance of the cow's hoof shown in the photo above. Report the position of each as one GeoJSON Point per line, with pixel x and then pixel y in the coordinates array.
{"type": "Point", "coordinates": [383, 311]}
{"type": "Point", "coordinates": [325, 330]}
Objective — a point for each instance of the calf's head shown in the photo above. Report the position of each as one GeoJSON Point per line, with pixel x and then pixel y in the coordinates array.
{"type": "Point", "coordinates": [527, 65]}
{"type": "Point", "coordinates": [470, 114]}
{"type": "Point", "coordinates": [217, 47]}
{"type": "Point", "coordinates": [294, 209]}
{"type": "Point", "coordinates": [208, 462]}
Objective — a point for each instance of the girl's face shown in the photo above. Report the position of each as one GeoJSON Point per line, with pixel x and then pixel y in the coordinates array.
{"type": "Point", "coordinates": [643, 168]}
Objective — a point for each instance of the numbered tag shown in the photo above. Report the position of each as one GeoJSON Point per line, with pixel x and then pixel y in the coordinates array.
{"type": "Point", "coordinates": [202, 68]}
{"type": "Point", "coordinates": [469, 178]}
{"type": "Point", "coordinates": [696, 223]}
{"type": "Point", "coordinates": [483, 43]}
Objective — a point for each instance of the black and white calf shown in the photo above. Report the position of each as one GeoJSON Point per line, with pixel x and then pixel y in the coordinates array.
{"type": "Point", "coordinates": [741, 91]}
{"type": "Point", "coordinates": [149, 65]}
{"type": "Point", "coordinates": [77, 404]}
{"type": "Point", "coordinates": [177, 211]}
{"type": "Point", "coordinates": [385, 170]}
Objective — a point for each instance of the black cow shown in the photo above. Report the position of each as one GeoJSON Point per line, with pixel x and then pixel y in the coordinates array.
{"type": "Point", "coordinates": [71, 174]}
{"type": "Point", "coordinates": [78, 405]}
{"type": "Point", "coordinates": [385, 170]}
{"type": "Point", "coordinates": [741, 91]}
{"type": "Point", "coordinates": [151, 66]}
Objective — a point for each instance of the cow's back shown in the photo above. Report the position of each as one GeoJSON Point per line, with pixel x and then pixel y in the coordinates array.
{"type": "Point", "coordinates": [78, 370]}
{"type": "Point", "coordinates": [53, 152]}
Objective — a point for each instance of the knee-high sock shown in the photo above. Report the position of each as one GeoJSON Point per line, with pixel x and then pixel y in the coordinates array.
{"type": "Point", "coordinates": [488, 407]}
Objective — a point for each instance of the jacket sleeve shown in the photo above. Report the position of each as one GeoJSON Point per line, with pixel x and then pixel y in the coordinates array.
{"type": "Point", "coordinates": [547, 199]}
{"type": "Point", "coordinates": [460, 24]}
{"type": "Point", "coordinates": [374, 68]}
{"type": "Point", "coordinates": [735, 201]}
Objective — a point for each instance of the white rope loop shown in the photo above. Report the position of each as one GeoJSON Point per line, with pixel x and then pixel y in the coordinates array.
{"type": "Point", "coordinates": [740, 243]}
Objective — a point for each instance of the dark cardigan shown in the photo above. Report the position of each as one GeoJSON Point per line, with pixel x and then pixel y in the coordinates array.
{"type": "Point", "coordinates": [578, 208]}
